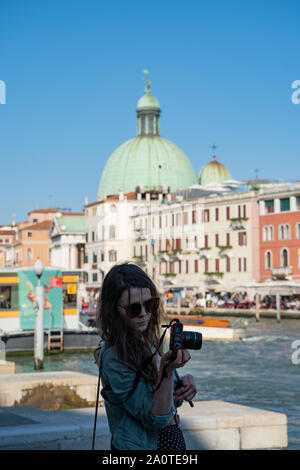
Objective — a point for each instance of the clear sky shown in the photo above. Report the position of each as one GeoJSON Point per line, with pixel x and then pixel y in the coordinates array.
{"type": "Point", "coordinates": [221, 69]}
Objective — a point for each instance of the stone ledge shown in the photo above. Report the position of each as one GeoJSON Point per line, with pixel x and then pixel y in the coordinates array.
{"type": "Point", "coordinates": [213, 425]}
{"type": "Point", "coordinates": [7, 367]}
{"type": "Point", "coordinates": [14, 387]}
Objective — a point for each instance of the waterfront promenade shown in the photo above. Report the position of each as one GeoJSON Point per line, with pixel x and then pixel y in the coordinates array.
{"type": "Point", "coordinates": [212, 425]}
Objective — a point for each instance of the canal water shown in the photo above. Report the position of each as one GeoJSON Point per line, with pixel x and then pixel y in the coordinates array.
{"type": "Point", "coordinates": [262, 371]}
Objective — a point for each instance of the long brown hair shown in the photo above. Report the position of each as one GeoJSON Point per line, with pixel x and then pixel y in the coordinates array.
{"type": "Point", "coordinates": [132, 347]}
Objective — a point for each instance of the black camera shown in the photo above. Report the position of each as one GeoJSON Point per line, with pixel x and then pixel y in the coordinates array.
{"type": "Point", "coordinates": [180, 339]}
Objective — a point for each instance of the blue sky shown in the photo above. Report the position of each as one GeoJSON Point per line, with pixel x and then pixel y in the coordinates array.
{"type": "Point", "coordinates": [221, 69]}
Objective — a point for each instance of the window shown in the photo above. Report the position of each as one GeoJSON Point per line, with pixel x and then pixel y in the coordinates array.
{"type": "Point", "coordinates": [284, 258]}
{"type": "Point", "coordinates": [112, 255]}
{"type": "Point", "coordinates": [284, 232]}
{"type": "Point", "coordinates": [239, 211]}
{"type": "Point", "coordinates": [217, 265]}
{"type": "Point", "coordinates": [298, 203]}
{"type": "Point", "coordinates": [298, 230]}
{"type": "Point", "coordinates": [217, 214]}
{"type": "Point", "coordinates": [227, 259]}
{"type": "Point", "coordinates": [29, 234]}
{"type": "Point", "coordinates": [298, 259]}
{"type": "Point", "coordinates": [244, 211]}
{"type": "Point", "coordinates": [228, 239]}
{"type": "Point", "coordinates": [206, 241]}
{"type": "Point", "coordinates": [206, 215]}
{"type": "Point", "coordinates": [285, 204]}
{"type": "Point", "coordinates": [93, 236]}
{"type": "Point", "coordinates": [242, 238]}
{"type": "Point", "coordinates": [196, 265]}
{"type": "Point", "coordinates": [29, 254]}
{"type": "Point", "coordinates": [242, 265]}
{"type": "Point", "coordinates": [178, 243]}
{"type": "Point", "coordinates": [206, 267]}
{"type": "Point", "coordinates": [112, 231]}
{"type": "Point", "coordinates": [269, 206]}
{"type": "Point", "coordinates": [194, 217]}
{"type": "Point", "coordinates": [102, 255]}
{"type": "Point", "coordinates": [86, 237]}
{"type": "Point", "coordinates": [227, 212]}
{"type": "Point", "coordinates": [186, 266]}
{"type": "Point", "coordinates": [185, 218]}
{"type": "Point", "coordinates": [268, 260]}
{"type": "Point", "coordinates": [217, 239]}
{"type": "Point", "coordinates": [95, 277]}
{"type": "Point", "coordinates": [9, 298]}
{"type": "Point", "coordinates": [69, 300]}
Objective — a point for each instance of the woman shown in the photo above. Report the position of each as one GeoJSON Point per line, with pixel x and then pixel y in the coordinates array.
{"type": "Point", "coordinates": [138, 380]}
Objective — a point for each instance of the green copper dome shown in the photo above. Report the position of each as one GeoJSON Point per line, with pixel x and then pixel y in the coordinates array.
{"type": "Point", "coordinates": [214, 172]}
{"type": "Point", "coordinates": [147, 160]}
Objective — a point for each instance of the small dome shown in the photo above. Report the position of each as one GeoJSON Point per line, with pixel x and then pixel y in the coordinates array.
{"type": "Point", "coordinates": [214, 172]}
{"type": "Point", "coordinates": [148, 101]}
{"type": "Point", "coordinates": [148, 161]}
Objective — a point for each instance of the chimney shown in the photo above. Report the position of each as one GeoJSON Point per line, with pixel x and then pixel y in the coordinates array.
{"type": "Point", "coordinates": [121, 195]}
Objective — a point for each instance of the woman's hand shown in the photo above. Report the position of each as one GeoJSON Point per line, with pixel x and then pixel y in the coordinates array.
{"type": "Point", "coordinates": [183, 356]}
{"type": "Point", "coordinates": [188, 389]}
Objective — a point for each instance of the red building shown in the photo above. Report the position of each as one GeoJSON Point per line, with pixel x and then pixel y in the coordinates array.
{"type": "Point", "coordinates": [280, 231]}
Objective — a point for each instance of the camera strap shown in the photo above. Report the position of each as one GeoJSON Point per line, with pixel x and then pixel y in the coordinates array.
{"type": "Point", "coordinates": [136, 381]}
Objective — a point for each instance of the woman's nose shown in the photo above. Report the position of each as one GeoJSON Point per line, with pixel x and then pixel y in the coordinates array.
{"type": "Point", "coordinates": [143, 311]}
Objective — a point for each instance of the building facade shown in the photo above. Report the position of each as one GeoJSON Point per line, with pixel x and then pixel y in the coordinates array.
{"type": "Point", "coordinates": [206, 239]}
{"type": "Point", "coordinates": [67, 234]}
{"type": "Point", "coordinates": [279, 207]}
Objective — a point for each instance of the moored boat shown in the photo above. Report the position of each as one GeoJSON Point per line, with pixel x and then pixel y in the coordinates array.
{"type": "Point", "coordinates": [198, 320]}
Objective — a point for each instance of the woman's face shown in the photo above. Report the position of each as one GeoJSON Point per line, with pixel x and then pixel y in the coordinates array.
{"type": "Point", "coordinates": [137, 295]}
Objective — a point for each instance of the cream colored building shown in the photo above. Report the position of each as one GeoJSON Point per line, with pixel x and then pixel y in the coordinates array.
{"type": "Point", "coordinates": [212, 238]}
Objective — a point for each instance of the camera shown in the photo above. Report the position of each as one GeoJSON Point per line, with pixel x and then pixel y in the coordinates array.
{"type": "Point", "coordinates": [180, 339]}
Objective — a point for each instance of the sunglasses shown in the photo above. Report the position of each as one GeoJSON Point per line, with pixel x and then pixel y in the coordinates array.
{"type": "Point", "coordinates": [150, 305]}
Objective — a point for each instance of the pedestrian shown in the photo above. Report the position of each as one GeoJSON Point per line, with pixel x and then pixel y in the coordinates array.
{"type": "Point", "coordinates": [140, 389]}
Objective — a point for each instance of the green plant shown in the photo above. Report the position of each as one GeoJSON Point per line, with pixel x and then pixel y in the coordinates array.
{"type": "Point", "coordinates": [217, 273]}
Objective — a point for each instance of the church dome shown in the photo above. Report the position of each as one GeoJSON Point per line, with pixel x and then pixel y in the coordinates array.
{"type": "Point", "coordinates": [148, 101]}
{"type": "Point", "coordinates": [214, 172]}
{"type": "Point", "coordinates": [148, 160]}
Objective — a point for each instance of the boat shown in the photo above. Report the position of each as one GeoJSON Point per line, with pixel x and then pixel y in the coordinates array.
{"type": "Point", "coordinates": [198, 320]}
{"type": "Point", "coordinates": [62, 327]}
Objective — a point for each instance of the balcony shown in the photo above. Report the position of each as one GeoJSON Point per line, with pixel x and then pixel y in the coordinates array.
{"type": "Point", "coordinates": [238, 223]}
{"type": "Point", "coordinates": [281, 272]}
{"type": "Point", "coordinates": [140, 234]}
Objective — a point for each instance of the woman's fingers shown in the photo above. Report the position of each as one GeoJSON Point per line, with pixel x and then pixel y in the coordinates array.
{"type": "Point", "coordinates": [183, 356]}
{"type": "Point", "coordinates": [188, 389]}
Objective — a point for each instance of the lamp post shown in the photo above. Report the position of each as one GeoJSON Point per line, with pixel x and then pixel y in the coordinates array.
{"type": "Point", "coordinates": [39, 318]}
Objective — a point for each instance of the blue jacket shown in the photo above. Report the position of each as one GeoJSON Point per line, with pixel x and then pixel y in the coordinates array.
{"type": "Point", "coordinates": [131, 422]}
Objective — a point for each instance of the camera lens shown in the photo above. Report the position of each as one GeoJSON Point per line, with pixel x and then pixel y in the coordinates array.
{"type": "Point", "coordinates": [191, 340]}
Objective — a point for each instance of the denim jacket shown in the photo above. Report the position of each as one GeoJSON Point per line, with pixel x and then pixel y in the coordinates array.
{"type": "Point", "coordinates": [131, 422]}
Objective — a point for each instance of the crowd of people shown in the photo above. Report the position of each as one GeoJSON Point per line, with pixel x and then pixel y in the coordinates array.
{"type": "Point", "coordinates": [239, 300]}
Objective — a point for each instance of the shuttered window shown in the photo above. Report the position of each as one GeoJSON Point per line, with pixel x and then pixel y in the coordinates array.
{"type": "Point", "coordinates": [285, 204]}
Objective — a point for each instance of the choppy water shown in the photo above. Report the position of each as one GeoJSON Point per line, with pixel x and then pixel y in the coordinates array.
{"type": "Point", "coordinates": [257, 372]}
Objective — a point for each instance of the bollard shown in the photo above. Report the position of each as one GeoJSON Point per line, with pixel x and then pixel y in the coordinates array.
{"type": "Point", "coordinates": [39, 329]}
